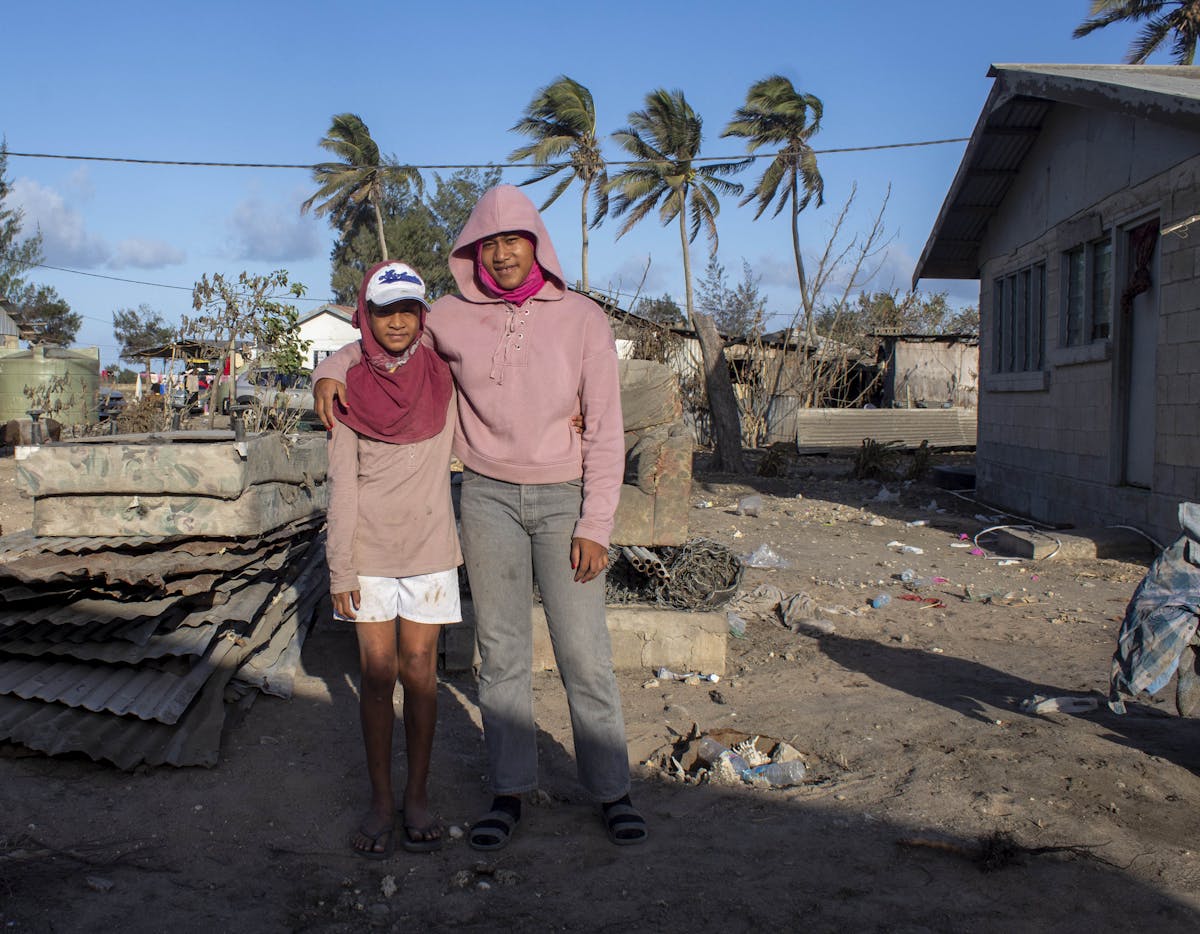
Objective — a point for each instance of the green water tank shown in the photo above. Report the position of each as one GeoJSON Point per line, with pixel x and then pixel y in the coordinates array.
{"type": "Point", "coordinates": [63, 382]}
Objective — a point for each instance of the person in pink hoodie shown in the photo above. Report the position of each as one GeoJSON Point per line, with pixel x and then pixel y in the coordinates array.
{"type": "Point", "coordinates": [538, 498]}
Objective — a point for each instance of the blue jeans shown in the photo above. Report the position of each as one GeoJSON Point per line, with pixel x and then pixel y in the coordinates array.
{"type": "Point", "coordinates": [512, 533]}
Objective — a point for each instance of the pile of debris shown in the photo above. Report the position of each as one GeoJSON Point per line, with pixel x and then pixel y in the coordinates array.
{"type": "Point", "coordinates": [127, 647]}
{"type": "Point", "coordinates": [697, 575]}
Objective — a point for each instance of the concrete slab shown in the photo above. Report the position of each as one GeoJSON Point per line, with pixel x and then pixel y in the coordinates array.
{"type": "Point", "coordinates": [642, 638]}
{"type": "Point", "coordinates": [1073, 544]}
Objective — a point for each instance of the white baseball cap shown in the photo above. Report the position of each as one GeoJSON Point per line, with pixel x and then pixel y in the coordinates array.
{"type": "Point", "coordinates": [396, 282]}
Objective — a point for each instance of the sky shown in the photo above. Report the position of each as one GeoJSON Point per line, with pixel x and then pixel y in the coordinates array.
{"type": "Point", "coordinates": [441, 84]}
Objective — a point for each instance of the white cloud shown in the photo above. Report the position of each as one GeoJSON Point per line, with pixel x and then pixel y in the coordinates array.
{"type": "Point", "coordinates": [65, 238]}
{"type": "Point", "coordinates": [146, 254]}
{"type": "Point", "coordinates": [273, 232]}
{"type": "Point", "coordinates": [79, 185]}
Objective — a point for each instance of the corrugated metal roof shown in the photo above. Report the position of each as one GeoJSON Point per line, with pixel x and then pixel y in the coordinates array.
{"type": "Point", "coordinates": [182, 640]}
{"type": "Point", "coordinates": [158, 698]}
{"type": "Point", "coordinates": [1021, 98]}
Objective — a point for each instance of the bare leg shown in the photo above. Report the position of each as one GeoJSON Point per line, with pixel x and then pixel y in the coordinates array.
{"type": "Point", "coordinates": [418, 675]}
{"type": "Point", "coordinates": [380, 665]}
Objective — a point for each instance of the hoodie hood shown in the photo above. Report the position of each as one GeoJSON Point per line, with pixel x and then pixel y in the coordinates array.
{"type": "Point", "coordinates": [502, 208]}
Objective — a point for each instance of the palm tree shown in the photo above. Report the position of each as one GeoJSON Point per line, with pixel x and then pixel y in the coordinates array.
{"type": "Point", "coordinates": [776, 114]}
{"type": "Point", "coordinates": [1183, 20]}
{"type": "Point", "coordinates": [664, 140]}
{"type": "Point", "coordinates": [561, 120]}
{"type": "Point", "coordinates": [359, 179]}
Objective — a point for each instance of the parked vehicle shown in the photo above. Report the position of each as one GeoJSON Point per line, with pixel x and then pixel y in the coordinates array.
{"type": "Point", "coordinates": [280, 396]}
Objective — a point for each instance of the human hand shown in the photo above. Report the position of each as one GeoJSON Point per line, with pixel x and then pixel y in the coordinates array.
{"type": "Point", "coordinates": [588, 558]}
{"type": "Point", "coordinates": [346, 604]}
{"type": "Point", "coordinates": [577, 424]}
{"type": "Point", "coordinates": [324, 392]}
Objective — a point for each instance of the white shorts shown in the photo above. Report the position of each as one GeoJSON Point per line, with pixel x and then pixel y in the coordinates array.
{"type": "Point", "coordinates": [423, 598]}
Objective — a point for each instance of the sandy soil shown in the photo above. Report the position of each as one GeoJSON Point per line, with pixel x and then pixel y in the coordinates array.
{"type": "Point", "coordinates": [907, 717]}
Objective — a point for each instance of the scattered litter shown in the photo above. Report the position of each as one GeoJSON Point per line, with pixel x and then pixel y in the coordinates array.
{"type": "Point", "coordinates": [885, 496]}
{"type": "Point", "coordinates": [737, 625]}
{"type": "Point", "coordinates": [703, 504]}
{"type": "Point", "coordinates": [813, 627]}
{"type": "Point", "coordinates": [99, 884]}
{"type": "Point", "coordinates": [387, 886]}
{"type": "Point", "coordinates": [960, 544]}
{"type": "Point", "coordinates": [1007, 561]}
{"type": "Point", "coordinates": [880, 600]}
{"type": "Point", "coordinates": [797, 606]}
{"type": "Point", "coordinates": [716, 697]}
{"type": "Point", "coordinates": [905, 549]}
{"type": "Point", "coordinates": [977, 551]}
{"type": "Point", "coordinates": [877, 522]}
{"type": "Point", "coordinates": [917, 523]}
{"type": "Point", "coordinates": [764, 556]}
{"type": "Point", "coordinates": [1042, 704]}
{"type": "Point", "coordinates": [749, 506]}
{"type": "Point", "coordinates": [729, 758]}
{"type": "Point", "coordinates": [762, 601]}
{"type": "Point", "coordinates": [666, 674]}
{"type": "Point", "coordinates": [928, 602]}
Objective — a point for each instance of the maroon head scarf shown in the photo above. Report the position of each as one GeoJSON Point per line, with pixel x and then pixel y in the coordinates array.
{"type": "Point", "coordinates": [401, 399]}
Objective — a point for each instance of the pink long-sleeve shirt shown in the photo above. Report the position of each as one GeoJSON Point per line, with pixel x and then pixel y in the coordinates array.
{"type": "Point", "coordinates": [523, 371]}
{"type": "Point", "coordinates": [390, 513]}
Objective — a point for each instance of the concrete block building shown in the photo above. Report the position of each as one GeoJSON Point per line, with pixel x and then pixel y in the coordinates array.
{"type": "Point", "coordinates": [1077, 207]}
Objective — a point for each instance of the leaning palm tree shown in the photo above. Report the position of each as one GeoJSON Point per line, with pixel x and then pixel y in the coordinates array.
{"type": "Point", "coordinates": [776, 114]}
{"type": "Point", "coordinates": [664, 140]}
{"type": "Point", "coordinates": [561, 121]}
{"type": "Point", "coordinates": [359, 179]}
{"type": "Point", "coordinates": [1181, 17]}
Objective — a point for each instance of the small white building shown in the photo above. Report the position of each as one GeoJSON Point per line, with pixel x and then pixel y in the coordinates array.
{"type": "Point", "coordinates": [326, 328]}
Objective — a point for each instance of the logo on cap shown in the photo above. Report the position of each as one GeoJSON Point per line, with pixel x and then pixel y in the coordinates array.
{"type": "Point", "coordinates": [390, 275]}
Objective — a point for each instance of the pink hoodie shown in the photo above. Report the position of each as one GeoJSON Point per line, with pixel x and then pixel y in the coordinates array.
{"type": "Point", "coordinates": [522, 372]}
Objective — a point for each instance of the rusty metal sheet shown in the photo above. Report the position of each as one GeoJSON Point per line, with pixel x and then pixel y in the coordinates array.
{"type": "Point", "coordinates": [117, 567]}
{"type": "Point", "coordinates": [122, 712]}
{"type": "Point", "coordinates": [181, 640]}
{"type": "Point", "coordinates": [149, 692]}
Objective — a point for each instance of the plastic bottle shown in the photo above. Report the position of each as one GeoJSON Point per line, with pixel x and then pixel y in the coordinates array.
{"type": "Point", "coordinates": [879, 600]}
{"type": "Point", "coordinates": [779, 774]}
{"type": "Point", "coordinates": [710, 752]}
{"type": "Point", "coordinates": [908, 575]}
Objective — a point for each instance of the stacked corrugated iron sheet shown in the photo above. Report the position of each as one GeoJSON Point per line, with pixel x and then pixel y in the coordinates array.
{"type": "Point", "coordinates": [128, 648]}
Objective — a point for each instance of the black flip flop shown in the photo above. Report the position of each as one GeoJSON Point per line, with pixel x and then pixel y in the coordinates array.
{"type": "Point", "coordinates": [371, 853]}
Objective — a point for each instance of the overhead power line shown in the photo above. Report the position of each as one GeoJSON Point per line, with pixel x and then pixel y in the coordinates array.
{"type": "Point", "coordinates": [478, 165]}
{"type": "Point", "coordinates": [157, 285]}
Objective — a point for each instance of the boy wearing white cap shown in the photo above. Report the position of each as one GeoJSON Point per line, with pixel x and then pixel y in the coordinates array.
{"type": "Point", "coordinates": [393, 549]}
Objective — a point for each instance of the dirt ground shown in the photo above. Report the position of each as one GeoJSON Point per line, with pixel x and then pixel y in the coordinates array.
{"type": "Point", "coordinates": [907, 717]}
